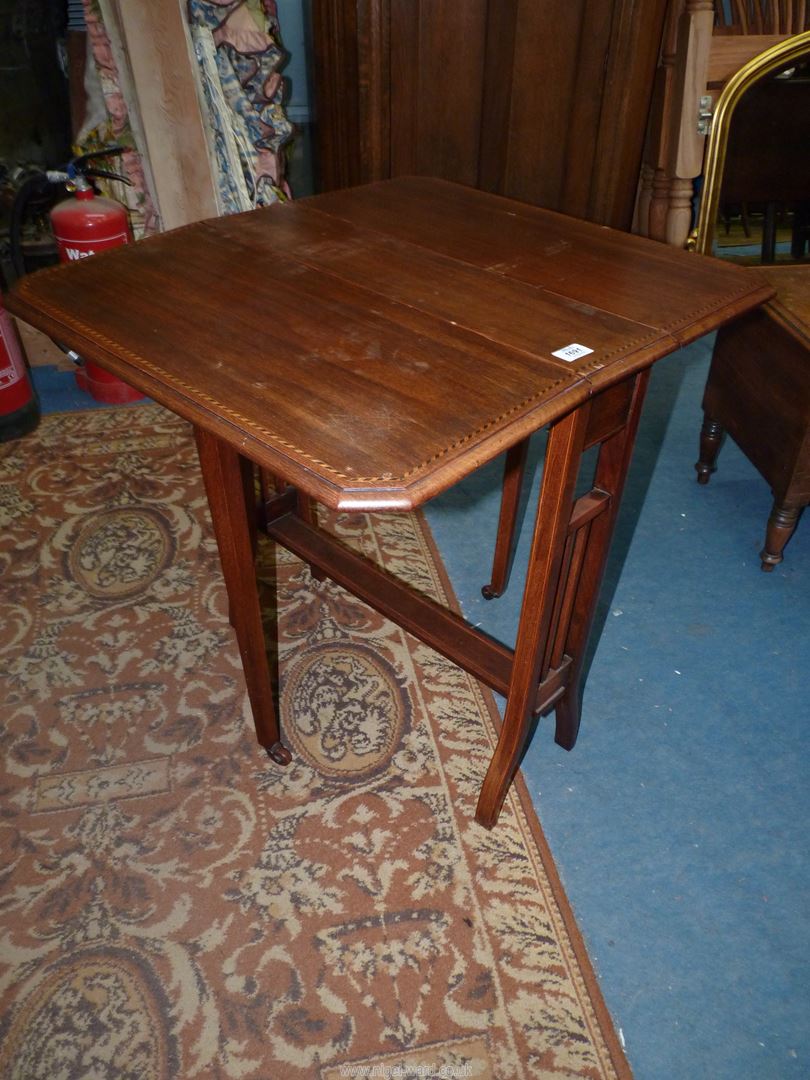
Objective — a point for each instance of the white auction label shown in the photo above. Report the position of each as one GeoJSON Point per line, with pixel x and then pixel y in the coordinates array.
{"type": "Point", "coordinates": [572, 352]}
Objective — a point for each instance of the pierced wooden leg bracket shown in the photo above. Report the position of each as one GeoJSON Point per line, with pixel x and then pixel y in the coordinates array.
{"type": "Point", "coordinates": [566, 563]}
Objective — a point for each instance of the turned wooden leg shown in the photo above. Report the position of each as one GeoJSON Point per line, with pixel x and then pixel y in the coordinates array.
{"type": "Point", "coordinates": [781, 526]}
{"type": "Point", "coordinates": [679, 211]}
{"type": "Point", "coordinates": [641, 222]}
{"type": "Point", "coordinates": [513, 472]}
{"type": "Point", "coordinates": [232, 512]}
{"type": "Point", "coordinates": [711, 435]}
{"type": "Point", "coordinates": [563, 455]}
{"type": "Point", "coordinates": [611, 472]}
{"type": "Point", "coordinates": [659, 206]}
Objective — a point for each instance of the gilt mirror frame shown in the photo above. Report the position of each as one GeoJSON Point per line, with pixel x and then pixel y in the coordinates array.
{"type": "Point", "coordinates": [778, 56]}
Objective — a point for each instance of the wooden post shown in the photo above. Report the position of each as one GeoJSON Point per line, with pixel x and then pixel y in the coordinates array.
{"type": "Point", "coordinates": [689, 84]}
{"type": "Point", "coordinates": [655, 187]}
{"type": "Point", "coordinates": [155, 36]}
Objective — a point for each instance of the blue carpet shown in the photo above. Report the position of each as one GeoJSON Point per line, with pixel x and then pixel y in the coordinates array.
{"type": "Point", "coordinates": [679, 821]}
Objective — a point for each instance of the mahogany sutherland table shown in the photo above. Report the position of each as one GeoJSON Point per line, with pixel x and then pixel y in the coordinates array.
{"type": "Point", "coordinates": [372, 347]}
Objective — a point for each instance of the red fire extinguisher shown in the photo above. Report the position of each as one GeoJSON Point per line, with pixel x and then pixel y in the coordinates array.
{"type": "Point", "coordinates": [82, 225]}
{"type": "Point", "coordinates": [19, 404]}
{"type": "Point", "coordinates": [87, 223]}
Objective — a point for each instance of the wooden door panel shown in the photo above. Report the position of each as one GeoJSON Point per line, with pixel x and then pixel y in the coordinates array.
{"type": "Point", "coordinates": [546, 103]}
{"type": "Point", "coordinates": [544, 84]}
{"type": "Point", "coordinates": [437, 63]}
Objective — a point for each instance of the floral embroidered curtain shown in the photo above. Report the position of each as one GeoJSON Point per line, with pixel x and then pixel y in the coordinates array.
{"type": "Point", "coordinates": [241, 96]}
{"type": "Point", "coordinates": [236, 45]}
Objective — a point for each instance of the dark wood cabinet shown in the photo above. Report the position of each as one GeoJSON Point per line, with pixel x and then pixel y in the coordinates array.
{"type": "Point", "coordinates": [758, 391]}
{"type": "Point", "coordinates": [544, 102]}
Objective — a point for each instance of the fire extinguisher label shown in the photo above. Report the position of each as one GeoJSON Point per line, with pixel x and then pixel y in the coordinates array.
{"type": "Point", "coordinates": [12, 365]}
{"type": "Point", "coordinates": [81, 249]}
{"type": "Point", "coordinates": [14, 388]}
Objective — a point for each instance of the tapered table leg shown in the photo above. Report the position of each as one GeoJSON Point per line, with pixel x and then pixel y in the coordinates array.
{"type": "Point", "coordinates": [514, 469]}
{"type": "Point", "coordinates": [233, 514]}
{"type": "Point", "coordinates": [611, 471]}
{"type": "Point", "coordinates": [563, 455]}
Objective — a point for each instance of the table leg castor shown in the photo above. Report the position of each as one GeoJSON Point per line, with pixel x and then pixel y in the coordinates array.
{"type": "Point", "coordinates": [279, 753]}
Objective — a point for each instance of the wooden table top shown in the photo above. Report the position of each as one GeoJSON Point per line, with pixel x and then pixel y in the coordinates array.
{"type": "Point", "coordinates": [792, 284]}
{"type": "Point", "coordinates": [376, 344]}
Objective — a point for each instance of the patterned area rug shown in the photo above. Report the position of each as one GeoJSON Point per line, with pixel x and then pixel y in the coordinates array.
{"type": "Point", "coordinates": [176, 905]}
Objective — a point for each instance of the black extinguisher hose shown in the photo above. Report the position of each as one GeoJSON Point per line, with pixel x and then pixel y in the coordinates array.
{"type": "Point", "coordinates": [36, 185]}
